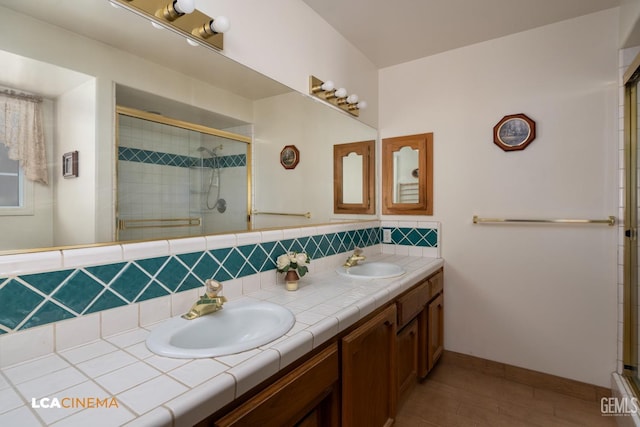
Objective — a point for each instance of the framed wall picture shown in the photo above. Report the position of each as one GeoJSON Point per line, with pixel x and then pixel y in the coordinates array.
{"type": "Point", "coordinates": [70, 164]}
{"type": "Point", "coordinates": [514, 132]}
{"type": "Point", "coordinates": [289, 157]}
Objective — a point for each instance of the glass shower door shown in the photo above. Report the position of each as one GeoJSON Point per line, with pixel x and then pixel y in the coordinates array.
{"type": "Point", "coordinates": [631, 277]}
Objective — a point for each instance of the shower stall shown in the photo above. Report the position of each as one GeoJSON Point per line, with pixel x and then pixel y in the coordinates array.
{"type": "Point", "coordinates": [179, 179]}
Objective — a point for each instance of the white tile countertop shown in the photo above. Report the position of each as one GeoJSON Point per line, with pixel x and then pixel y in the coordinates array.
{"type": "Point", "coordinates": [120, 382]}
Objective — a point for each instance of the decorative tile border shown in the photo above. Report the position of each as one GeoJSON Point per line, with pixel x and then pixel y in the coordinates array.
{"type": "Point", "coordinates": [169, 159]}
{"type": "Point", "coordinates": [29, 300]}
{"type": "Point", "coordinates": [408, 236]}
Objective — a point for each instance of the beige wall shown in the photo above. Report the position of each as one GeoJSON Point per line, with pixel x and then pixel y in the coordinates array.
{"type": "Point", "coordinates": [541, 297]}
{"type": "Point", "coordinates": [74, 218]}
{"type": "Point", "coordinates": [629, 28]}
{"type": "Point", "coordinates": [287, 41]}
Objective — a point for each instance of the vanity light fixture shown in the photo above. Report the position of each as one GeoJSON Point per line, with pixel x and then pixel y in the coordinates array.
{"type": "Point", "coordinates": [326, 87]}
{"type": "Point", "coordinates": [181, 17]}
{"type": "Point", "coordinates": [176, 8]}
{"type": "Point", "coordinates": [215, 26]}
{"type": "Point", "coordinates": [337, 97]}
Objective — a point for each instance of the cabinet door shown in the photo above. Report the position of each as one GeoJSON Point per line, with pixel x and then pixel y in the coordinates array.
{"type": "Point", "coordinates": [407, 358]}
{"type": "Point", "coordinates": [436, 330]}
{"type": "Point", "coordinates": [307, 395]}
{"type": "Point", "coordinates": [369, 372]}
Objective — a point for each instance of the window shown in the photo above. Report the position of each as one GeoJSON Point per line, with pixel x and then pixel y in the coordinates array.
{"type": "Point", "coordinates": [15, 191]}
{"type": "Point", "coordinates": [9, 180]}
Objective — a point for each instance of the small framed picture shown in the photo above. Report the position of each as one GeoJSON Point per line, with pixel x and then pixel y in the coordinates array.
{"type": "Point", "coordinates": [289, 157]}
{"type": "Point", "coordinates": [70, 164]}
{"type": "Point", "coordinates": [514, 132]}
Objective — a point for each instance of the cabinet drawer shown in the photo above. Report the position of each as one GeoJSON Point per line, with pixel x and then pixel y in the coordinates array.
{"type": "Point", "coordinates": [412, 303]}
{"type": "Point", "coordinates": [436, 283]}
{"type": "Point", "coordinates": [291, 397]}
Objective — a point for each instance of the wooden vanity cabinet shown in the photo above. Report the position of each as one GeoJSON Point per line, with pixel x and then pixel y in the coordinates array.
{"type": "Point", "coordinates": [358, 379]}
{"type": "Point", "coordinates": [369, 372]}
{"type": "Point", "coordinates": [423, 304]}
{"type": "Point", "coordinates": [307, 396]}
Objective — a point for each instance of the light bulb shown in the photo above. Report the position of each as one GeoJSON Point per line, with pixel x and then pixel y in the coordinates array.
{"type": "Point", "coordinates": [362, 105]}
{"type": "Point", "coordinates": [352, 99]}
{"type": "Point", "coordinates": [341, 93]}
{"type": "Point", "coordinates": [220, 24]}
{"type": "Point", "coordinates": [184, 6]}
{"type": "Point", "coordinates": [327, 86]}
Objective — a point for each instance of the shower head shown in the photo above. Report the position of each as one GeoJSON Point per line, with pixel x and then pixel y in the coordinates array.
{"type": "Point", "coordinates": [209, 152]}
{"type": "Point", "coordinates": [206, 150]}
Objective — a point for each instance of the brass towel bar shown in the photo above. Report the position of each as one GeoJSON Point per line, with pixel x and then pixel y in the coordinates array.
{"type": "Point", "coordinates": [610, 221]}
{"type": "Point", "coordinates": [306, 214]}
{"type": "Point", "coordinates": [130, 224]}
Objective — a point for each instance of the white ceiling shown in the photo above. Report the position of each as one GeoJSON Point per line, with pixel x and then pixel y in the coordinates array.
{"type": "Point", "coordinates": [392, 32]}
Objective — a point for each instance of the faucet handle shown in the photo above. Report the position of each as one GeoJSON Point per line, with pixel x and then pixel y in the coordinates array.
{"type": "Point", "coordinates": [212, 287]}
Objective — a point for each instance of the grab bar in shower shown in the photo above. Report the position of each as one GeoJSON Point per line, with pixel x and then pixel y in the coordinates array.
{"type": "Point", "coordinates": [306, 214]}
{"type": "Point", "coordinates": [130, 224]}
{"type": "Point", "coordinates": [610, 221]}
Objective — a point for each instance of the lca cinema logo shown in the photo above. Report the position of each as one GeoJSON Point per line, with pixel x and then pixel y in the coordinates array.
{"type": "Point", "coordinates": [68, 402]}
{"type": "Point", "coordinates": [619, 406]}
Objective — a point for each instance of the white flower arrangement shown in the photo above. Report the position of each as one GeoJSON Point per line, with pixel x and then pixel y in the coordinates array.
{"type": "Point", "coordinates": [297, 261]}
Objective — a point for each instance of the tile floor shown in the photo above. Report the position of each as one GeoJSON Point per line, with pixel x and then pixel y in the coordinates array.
{"type": "Point", "coordinates": [457, 396]}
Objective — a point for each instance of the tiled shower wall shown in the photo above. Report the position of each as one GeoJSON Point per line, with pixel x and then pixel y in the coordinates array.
{"type": "Point", "coordinates": [42, 288]}
{"type": "Point", "coordinates": [158, 179]}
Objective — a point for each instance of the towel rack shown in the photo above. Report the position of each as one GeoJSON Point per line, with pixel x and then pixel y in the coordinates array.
{"type": "Point", "coordinates": [129, 224]}
{"type": "Point", "coordinates": [306, 214]}
{"type": "Point", "coordinates": [610, 221]}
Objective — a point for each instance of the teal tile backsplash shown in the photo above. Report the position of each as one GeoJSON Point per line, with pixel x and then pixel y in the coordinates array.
{"type": "Point", "coordinates": [408, 236]}
{"type": "Point", "coordinates": [169, 159]}
{"type": "Point", "coordinates": [35, 299]}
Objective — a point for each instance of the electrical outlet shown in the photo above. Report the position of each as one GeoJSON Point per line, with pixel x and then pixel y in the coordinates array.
{"type": "Point", "coordinates": [386, 235]}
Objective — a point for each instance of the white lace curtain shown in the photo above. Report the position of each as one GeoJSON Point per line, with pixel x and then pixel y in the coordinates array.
{"type": "Point", "coordinates": [21, 132]}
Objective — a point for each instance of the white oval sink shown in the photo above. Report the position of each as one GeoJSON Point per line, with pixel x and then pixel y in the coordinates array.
{"type": "Point", "coordinates": [372, 270]}
{"type": "Point", "coordinates": [238, 326]}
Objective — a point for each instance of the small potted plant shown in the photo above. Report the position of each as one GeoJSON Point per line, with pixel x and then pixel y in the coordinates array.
{"type": "Point", "coordinates": [294, 264]}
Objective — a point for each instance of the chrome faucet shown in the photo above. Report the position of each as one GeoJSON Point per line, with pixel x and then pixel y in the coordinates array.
{"type": "Point", "coordinates": [354, 258]}
{"type": "Point", "coordinates": [208, 303]}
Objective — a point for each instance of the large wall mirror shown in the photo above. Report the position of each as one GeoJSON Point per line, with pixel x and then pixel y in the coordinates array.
{"type": "Point", "coordinates": [85, 58]}
{"type": "Point", "coordinates": [407, 175]}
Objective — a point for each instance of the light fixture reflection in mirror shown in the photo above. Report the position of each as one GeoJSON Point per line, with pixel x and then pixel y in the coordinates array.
{"type": "Point", "coordinates": [338, 97]}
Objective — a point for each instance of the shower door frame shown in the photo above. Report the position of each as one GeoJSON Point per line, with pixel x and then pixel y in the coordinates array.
{"type": "Point", "coordinates": [156, 118]}
{"type": "Point", "coordinates": [631, 79]}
